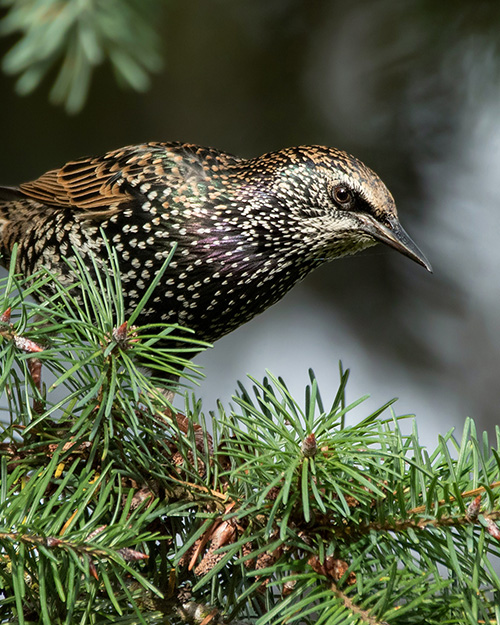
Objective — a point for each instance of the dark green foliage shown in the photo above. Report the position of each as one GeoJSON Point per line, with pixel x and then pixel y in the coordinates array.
{"type": "Point", "coordinates": [74, 37]}
{"type": "Point", "coordinates": [285, 513]}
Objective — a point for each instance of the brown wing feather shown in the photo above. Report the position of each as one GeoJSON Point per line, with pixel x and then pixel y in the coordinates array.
{"type": "Point", "coordinates": [88, 184]}
{"type": "Point", "coordinates": [99, 184]}
{"type": "Point", "coordinates": [102, 184]}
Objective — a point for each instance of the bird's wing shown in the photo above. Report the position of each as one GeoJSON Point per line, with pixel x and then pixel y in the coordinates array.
{"type": "Point", "coordinates": [98, 185]}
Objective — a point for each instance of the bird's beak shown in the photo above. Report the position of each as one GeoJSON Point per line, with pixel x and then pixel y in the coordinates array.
{"type": "Point", "coordinates": [394, 235]}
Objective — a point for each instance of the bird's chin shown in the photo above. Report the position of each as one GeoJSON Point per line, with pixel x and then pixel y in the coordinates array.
{"type": "Point", "coordinates": [349, 245]}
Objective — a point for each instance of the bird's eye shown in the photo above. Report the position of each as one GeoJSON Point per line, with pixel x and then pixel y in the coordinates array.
{"type": "Point", "coordinates": [342, 195]}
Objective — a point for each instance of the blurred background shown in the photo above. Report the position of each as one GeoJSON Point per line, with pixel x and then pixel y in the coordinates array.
{"type": "Point", "coordinates": [413, 89]}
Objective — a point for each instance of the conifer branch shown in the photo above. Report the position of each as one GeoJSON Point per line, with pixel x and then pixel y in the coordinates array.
{"type": "Point", "coordinates": [75, 37]}
{"type": "Point", "coordinates": [113, 503]}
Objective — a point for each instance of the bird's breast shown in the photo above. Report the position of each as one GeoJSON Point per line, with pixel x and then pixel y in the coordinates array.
{"type": "Point", "coordinates": [222, 273]}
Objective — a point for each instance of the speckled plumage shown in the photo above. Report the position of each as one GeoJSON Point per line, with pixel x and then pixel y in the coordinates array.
{"type": "Point", "coordinates": [246, 230]}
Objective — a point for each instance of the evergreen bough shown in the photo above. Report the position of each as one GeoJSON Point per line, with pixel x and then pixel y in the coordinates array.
{"type": "Point", "coordinates": [71, 38]}
{"type": "Point", "coordinates": [115, 508]}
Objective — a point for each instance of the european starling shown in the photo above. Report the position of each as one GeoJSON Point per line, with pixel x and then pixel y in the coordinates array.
{"type": "Point", "coordinates": [246, 230]}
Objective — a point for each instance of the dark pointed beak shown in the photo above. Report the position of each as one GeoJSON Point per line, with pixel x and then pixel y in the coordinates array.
{"type": "Point", "coordinates": [394, 235]}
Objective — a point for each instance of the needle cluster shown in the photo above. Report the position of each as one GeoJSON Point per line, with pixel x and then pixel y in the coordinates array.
{"type": "Point", "coordinates": [114, 506]}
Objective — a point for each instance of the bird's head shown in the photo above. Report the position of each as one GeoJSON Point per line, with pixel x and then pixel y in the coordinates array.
{"type": "Point", "coordinates": [340, 206]}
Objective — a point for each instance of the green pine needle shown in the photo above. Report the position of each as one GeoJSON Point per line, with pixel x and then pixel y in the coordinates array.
{"type": "Point", "coordinates": [113, 510]}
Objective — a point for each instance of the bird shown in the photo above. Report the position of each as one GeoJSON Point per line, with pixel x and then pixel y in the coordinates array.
{"type": "Point", "coordinates": [245, 231]}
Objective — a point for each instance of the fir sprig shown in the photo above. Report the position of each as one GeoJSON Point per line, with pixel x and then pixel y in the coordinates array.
{"type": "Point", "coordinates": [76, 36]}
{"type": "Point", "coordinates": [114, 507]}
